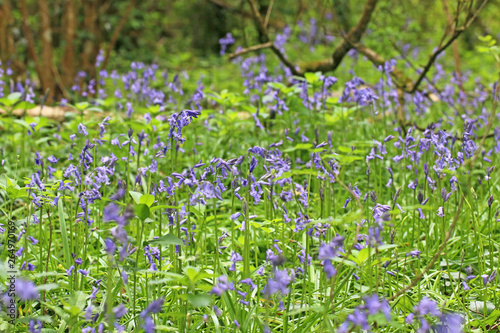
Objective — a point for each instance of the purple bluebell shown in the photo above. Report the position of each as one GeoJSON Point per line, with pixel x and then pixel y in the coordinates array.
{"type": "Point", "coordinates": [153, 307]}
{"type": "Point", "coordinates": [26, 290]}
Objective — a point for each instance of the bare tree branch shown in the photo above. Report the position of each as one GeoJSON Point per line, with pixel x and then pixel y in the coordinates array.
{"type": "Point", "coordinates": [250, 49]}
{"type": "Point", "coordinates": [258, 19]}
{"type": "Point", "coordinates": [268, 14]}
{"type": "Point", "coordinates": [456, 33]}
{"type": "Point", "coordinates": [273, 23]}
{"type": "Point", "coordinates": [402, 81]}
{"type": "Point", "coordinates": [263, 31]}
{"type": "Point", "coordinates": [354, 36]}
{"type": "Point", "coordinates": [433, 57]}
{"type": "Point", "coordinates": [456, 52]}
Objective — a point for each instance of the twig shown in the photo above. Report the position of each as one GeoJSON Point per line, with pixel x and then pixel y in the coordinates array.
{"type": "Point", "coordinates": [433, 57]}
{"type": "Point", "coordinates": [456, 54]}
{"type": "Point", "coordinates": [272, 22]}
{"type": "Point", "coordinates": [410, 63]}
{"type": "Point", "coordinates": [402, 81]}
{"type": "Point", "coordinates": [263, 31]}
{"type": "Point", "coordinates": [249, 49]}
{"type": "Point", "coordinates": [456, 33]}
{"type": "Point", "coordinates": [354, 35]}
{"type": "Point", "coordinates": [268, 14]}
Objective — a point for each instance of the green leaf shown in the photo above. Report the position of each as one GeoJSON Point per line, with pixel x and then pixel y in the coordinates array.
{"type": "Point", "coordinates": [22, 123]}
{"type": "Point", "coordinates": [199, 300]}
{"type": "Point", "coordinates": [142, 211]}
{"type": "Point", "coordinates": [348, 159]}
{"type": "Point", "coordinates": [15, 193]}
{"type": "Point", "coordinates": [311, 77]}
{"type": "Point", "coordinates": [64, 233]}
{"type": "Point", "coordinates": [14, 97]}
{"type": "Point", "coordinates": [492, 318]}
{"type": "Point", "coordinates": [147, 199]}
{"type": "Point", "coordinates": [25, 105]}
{"type": "Point", "coordinates": [136, 196]}
{"type": "Point", "coordinates": [363, 254]}
{"type": "Point", "coordinates": [95, 109]}
{"type": "Point", "coordinates": [168, 239]}
{"type": "Point", "coordinates": [164, 207]}
{"type": "Point", "coordinates": [47, 287]}
{"type": "Point", "coordinates": [486, 38]}
{"type": "Point", "coordinates": [82, 106]}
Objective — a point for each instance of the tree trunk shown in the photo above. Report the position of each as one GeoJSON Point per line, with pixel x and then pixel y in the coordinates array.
{"type": "Point", "coordinates": [91, 42]}
{"type": "Point", "coordinates": [31, 43]}
{"type": "Point", "coordinates": [48, 81]}
{"type": "Point", "coordinates": [5, 23]}
{"type": "Point", "coordinates": [117, 32]}
{"type": "Point", "coordinates": [7, 48]}
{"type": "Point", "coordinates": [70, 24]}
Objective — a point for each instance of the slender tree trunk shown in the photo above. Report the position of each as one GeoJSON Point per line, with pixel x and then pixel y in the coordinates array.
{"type": "Point", "coordinates": [7, 48]}
{"type": "Point", "coordinates": [31, 43]}
{"type": "Point", "coordinates": [5, 22]}
{"type": "Point", "coordinates": [91, 43]}
{"type": "Point", "coordinates": [117, 32]}
{"type": "Point", "coordinates": [70, 24]}
{"type": "Point", "coordinates": [48, 81]}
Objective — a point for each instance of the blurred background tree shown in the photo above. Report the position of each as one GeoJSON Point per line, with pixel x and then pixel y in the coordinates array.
{"type": "Point", "coordinates": [53, 40]}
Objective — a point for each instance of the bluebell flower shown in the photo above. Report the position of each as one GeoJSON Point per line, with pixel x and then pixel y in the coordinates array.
{"type": "Point", "coordinates": [120, 311]}
{"type": "Point", "coordinates": [83, 272]}
{"type": "Point", "coordinates": [153, 307]}
{"type": "Point", "coordinates": [82, 129]}
{"type": "Point", "coordinates": [26, 290]}
{"type": "Point", "coordinates": [235, 257]}
{"type": "Point", "coordinates": [33, 329]}
{"type": "Point", "coordinates": [249, 282]}
{"type": "Point", "coordinates": [329, 269]}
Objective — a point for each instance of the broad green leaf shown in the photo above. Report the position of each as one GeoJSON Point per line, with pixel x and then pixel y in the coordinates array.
{"type": "Point", "coordinates": [82, 105]}
{"type": "Point", "coordinates": [363, 254]}
{"type": "Point", "coordinates": [311, 77]}
{"type": "Point", "coordinates": [25, 105]}
{"type": "Point", "coordinates": [142, 211]}
{"type": "Point", "coordinates": [147, 199]}
{"type": "Point", "coordinates": [168, 239]}
{"type": "Point", "coordinates": [136, 196]}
